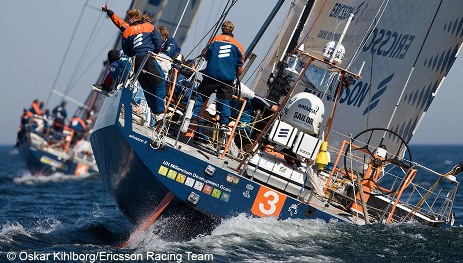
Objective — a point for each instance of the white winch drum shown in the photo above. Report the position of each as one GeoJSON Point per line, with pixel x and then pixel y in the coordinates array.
{"type": "Point", "coordinates": [304, 111]}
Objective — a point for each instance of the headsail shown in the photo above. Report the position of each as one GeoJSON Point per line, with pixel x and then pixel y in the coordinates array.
{"type": "Point", "coordinates": [404, 47]}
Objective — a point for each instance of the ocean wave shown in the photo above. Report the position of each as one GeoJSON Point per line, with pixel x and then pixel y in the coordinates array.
{"type": "Point", "coordinates": [29, 178]}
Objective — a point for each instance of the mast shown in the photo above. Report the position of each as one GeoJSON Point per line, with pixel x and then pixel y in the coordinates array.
{"type": "Point", "coordinates": [280, 87]}
{"type": "Point", "coordinates": [262, 30]}
{"type": "Point", "coordinates": [300, 26]}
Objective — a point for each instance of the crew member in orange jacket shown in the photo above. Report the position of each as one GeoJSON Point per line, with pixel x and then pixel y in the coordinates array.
{"type": "Point", "coordinates": [36, 107]}
{"type": "Point", "coordinates": [139, 37]}
{"type": "Point", "coordinates": [79, 126]}
{"type": "Point", "coordinates": [225, 59]}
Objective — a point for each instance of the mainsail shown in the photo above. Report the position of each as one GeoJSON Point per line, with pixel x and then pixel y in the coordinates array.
{"type": "Point", "coordinates": [405, 49]}
{"type": "Point", "coordinates": [166, 13]}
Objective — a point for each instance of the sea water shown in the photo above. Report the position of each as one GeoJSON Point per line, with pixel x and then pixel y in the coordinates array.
{"type": "Point", "coordinates": [64, 218]}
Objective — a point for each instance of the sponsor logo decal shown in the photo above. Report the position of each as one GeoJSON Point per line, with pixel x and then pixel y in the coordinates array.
{"type": "Point", "coordinates": [172, 174]}
{"type": "Point", "coordinates": [183, 176]}
{"type": "Point", "coordinates": [309, 109]}
{"type": "Point", "coordinates": [198, 186]}
{"type": "Point", "coordinates": [216, 193]}
{"type": "Point", "coordinates": [207, 189]}
{"type": "Point", "coordinates": [293, 209]}
{"type": "Point", "coordinates": [388, 43]}
{"type": "Point", "coordinates": [52, 163]}
{"type": "Point", "coordinates": [163, 170]}
{"type": "Point", "coordinates": [189, 182]}
{"type": "Point", "coordinates": [225, 197]}
{"type": "Point", "coordinates": [137, 139]}
{"type": "Point", "coordinates": [375, 98]}
{"type": "Point", "coordinates": [301, 117]}
{"type": "Point", "coordinates": [357, 94]}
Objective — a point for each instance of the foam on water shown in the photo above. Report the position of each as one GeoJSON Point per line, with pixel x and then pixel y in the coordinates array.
{"type": "Point", "coordinates": [28, 178]}
{"type": "Point", "coordinates": [9, 230]}
{"type": "Point", "coordinates": [65, 213]}
{"type": "Point", "coordinates": [249, 239]}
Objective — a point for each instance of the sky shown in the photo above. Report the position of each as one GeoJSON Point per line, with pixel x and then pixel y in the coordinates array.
{"type": "Point", "coordinates": [37, 35]}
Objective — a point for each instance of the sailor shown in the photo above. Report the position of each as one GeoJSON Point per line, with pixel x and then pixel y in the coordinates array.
{"type": "Point", "coordinates": [254, 103]}
{"type": "Point", "coordinates": [113, 59]}
{"type": "Point", "coordinates": [22, 127]}
{"type": "Point", "coordinates": [60, 111]}
{"type": "Point", "coordinates": [225, 59]}
{"type": "Point", "coordinates": [147, 18]}
{"type": "Point", "coordinates": [169, 49]}
{"type": "Point", "coordinates": [79, 126]}
{"type": "Point", "coordinates": [169, 44]}
{"type": "Point", "coordinates": [48, 122]}
{"type": "Point", "coordinates": [36, 107]}
{"type": "Point", "coordinates": [139, 37]}
{"type": "Point", "coordinates": [184, 84]}
{"type": "Point", "coordinates": [59, 114]}
{"type": "Point", "coordinates": [82, 147]}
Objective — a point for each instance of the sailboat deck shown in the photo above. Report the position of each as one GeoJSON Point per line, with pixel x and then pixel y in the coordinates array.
{"type": "Point", "coordinates": [208, 154]}
{"type": "Point", "coordinates": [200, 151]}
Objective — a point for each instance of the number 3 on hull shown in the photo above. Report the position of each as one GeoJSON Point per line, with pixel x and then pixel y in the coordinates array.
{"type": "Point", "coordinates": [268, 203]}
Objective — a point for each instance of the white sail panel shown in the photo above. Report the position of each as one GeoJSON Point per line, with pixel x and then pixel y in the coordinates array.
{"type": "Point", "coordinates": [406, 57]}
{"type": "Point", "coordinates": [435, 60]}
{"type": "Point", "coordinates": [277, 49]}
{"type": "Point", "coordinates": [405, 49]}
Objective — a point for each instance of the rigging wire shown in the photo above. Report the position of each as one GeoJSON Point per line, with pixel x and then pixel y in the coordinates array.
{"type": "Point", "coordinates": [181, 18]}
{"type": "Point", "coordinates": [86, 49]}
{"type": "Point", "coordinates": [102, 49]}
{"type": "Point", "coordinates": [370, 29]}
{"type": "Point", "coordinates": [413, 68]}
{"type": "Point", "coordinates": [66, 52]}
{"type": "Point", "coordinates": [215, 28]}
{"type": "Point", "coordinates": [371, 78]}
{"type": "Point", "coordinates": [268, 52]}
{"type": "Point", "coordinates": [313, 24]}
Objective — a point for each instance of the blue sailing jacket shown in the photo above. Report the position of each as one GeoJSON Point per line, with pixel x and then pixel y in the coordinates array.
{"type": "Point", "coordinates": [225, 58]}
{"type": "Point", "coordinates": [170, 47]}
{"type": "Point", "coordinates": [138, 38]}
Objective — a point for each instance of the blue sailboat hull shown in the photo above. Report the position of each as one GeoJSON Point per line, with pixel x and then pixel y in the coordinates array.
{"type": "Point", "coordinates": [45, 163]}
{"type": "Point", "coordinates": [139, 176]}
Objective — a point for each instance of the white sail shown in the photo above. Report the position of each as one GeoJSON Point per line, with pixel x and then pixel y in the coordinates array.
{"type": "Point", "coordinates": [278, 49]}
{"type": "Point", "coordinates": [405, 49]}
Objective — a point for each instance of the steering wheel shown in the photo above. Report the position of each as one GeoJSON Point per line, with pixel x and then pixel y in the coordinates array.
{"type": "Point", "coordinates": [379, 138]}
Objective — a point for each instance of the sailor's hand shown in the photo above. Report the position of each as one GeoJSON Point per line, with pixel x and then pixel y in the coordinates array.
{"type": "Point", "coordinates": [105, 8]}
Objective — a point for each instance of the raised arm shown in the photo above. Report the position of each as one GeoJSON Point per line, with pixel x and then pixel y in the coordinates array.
{"type": "Point", "coordinates": [119, 22]}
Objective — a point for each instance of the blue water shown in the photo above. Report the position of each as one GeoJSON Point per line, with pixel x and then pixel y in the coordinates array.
{"type": "Point", "coordinates": [76, 219]}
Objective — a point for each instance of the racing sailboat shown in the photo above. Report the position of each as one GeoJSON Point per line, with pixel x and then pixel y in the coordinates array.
{"type": "Point", "coordinates": [351, 81]}
{"type": "Point", "coordinates": [48, 143]}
